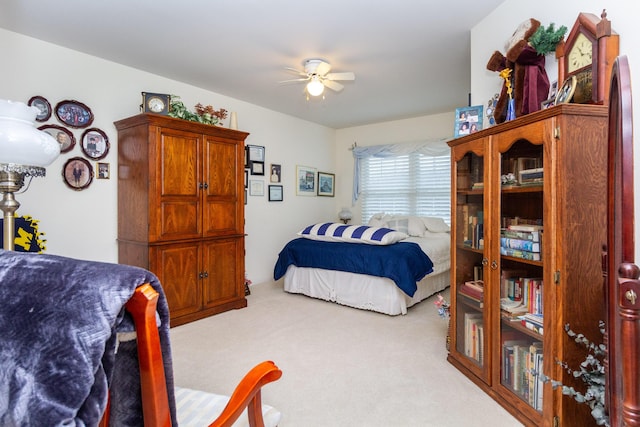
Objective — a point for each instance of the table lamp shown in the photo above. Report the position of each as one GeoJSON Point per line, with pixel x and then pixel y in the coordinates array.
{"type": "Point", "coordinates": [25, 151]}
{"type": "Point", "coordinates": [345, 215]}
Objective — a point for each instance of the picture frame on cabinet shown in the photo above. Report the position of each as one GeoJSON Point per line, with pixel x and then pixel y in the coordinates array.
{"type": "Point", "coordinates": [63, 135]}
{"type": "Point", "coordinates": [468, 120]}
{"type": "Point", "coordinates": [305, 181]}
{"type": "Point", "coordinates": [94, 143]}
{"type": "Point", "coordinates": [256, 187]}
{"type": "Point", "coordinates": [103, 170]}
{"type": "Point", "coordinates": [41, 103]}
{"type": "Point", "coordinates": [77, 173]}
{"type": "Point", "coordinates": [74, 114]}
{"type": "Point", "coordinates": [547, 103]}
{"type": "Point", "coordinates": [275, 193]}
{"type": "Point", "coordinates": [257, 168]}
{"type": "Point", "coordinates": [326, 184]}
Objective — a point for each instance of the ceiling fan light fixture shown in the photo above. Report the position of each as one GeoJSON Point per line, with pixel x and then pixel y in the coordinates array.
{"type": "Point", "coordinates": [315, 86]}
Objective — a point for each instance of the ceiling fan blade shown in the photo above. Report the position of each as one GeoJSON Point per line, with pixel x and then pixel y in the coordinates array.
{"type": "Point", "coordinates": [340, 76]}
{"type": "Point", "coordinates": [323, 68]}
{"type": "Point", "coordinates": [302, 73]}
{"type": "Point", "coordinates": [294, 80]}
{"type": "Point", "coordinates": [333, 85]}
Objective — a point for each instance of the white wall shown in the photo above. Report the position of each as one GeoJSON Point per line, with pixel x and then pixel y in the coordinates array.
{"type": "Point", "coordinates": [491, 34]}
{"type": "Point", "coordinates": [83, 224]}
{"type": "Point", "coordinates": [409, 130]}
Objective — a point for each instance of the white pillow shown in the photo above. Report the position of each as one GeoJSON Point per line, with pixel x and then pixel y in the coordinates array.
{"type": "Point", "coordinates": [400, 224]}
{"type": "Point", "coordinates": [436, 224]}
{"type": "Point", "coordinates": [338, 232]}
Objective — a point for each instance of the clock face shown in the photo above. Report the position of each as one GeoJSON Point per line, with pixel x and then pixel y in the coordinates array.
{"type": "Point", "coordinates": [581, 53]}
{"type": "Point", "coordinates": [156, 104]}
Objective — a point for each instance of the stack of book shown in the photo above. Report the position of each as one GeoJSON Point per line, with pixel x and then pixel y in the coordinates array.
{"type": "Point", "coordinates": [522, 241]}
{"type": "Point", "coordinates": [473, 290]}
{"type": "Point", "coordinates": [474, 336]}
{"type": "Point", "coordinates": [521, 365]}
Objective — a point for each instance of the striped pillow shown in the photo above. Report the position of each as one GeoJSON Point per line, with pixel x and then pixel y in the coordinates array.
{"type": "Point", "coordinates": [337, 232]}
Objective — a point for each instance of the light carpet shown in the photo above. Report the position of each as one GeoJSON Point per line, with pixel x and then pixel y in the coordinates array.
{"type": "Point", "coordinates": [341, 366]}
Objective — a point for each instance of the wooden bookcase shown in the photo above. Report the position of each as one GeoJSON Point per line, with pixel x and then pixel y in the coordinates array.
{"type": "Point", "coordinates": [181, 211]}
{"type": "Point", "coordinates": [567, 144]}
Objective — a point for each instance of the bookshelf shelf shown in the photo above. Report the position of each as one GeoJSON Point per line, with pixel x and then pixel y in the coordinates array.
{"type": "Point", "coordinates": [563, 148]}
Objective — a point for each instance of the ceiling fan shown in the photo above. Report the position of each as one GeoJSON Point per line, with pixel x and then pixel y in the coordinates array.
{"type": "Point", "coordinates": [316, 73]}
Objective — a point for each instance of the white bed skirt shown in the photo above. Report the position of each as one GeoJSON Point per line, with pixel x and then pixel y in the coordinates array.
{"type": "Point", "coordinates": [359, 290]}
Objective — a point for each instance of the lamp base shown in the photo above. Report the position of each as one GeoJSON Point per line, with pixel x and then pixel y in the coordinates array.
{"type": "Point", "coordinates": [11, 181]}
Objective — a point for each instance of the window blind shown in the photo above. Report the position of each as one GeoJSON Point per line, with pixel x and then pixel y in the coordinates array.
{"type": "Point", "coordinates": [410, 184]}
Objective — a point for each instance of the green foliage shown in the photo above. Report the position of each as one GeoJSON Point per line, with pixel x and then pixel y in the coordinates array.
{"type": "Point", "coordinates": [591, 372]}
{"type": "Point", "coordinates": [545, 40]}
{"type": "Point", "coordinates": [206, 115]}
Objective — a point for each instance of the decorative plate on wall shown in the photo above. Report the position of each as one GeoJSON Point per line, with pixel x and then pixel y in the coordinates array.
{"type": "Point", "coordinates": [63, 135]}
{"type": "Point", "coordinates": [74, 114]}
{"type": "Point", "coordinates": [43, 105]}
{"type": "Point", "coordinates": [77, 173]}
{"type": "Point", "coordinates": [94, 143]}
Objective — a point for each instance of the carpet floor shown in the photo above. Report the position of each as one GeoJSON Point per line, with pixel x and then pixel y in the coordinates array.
{"type": "Point", "coordinates": [341, 366]}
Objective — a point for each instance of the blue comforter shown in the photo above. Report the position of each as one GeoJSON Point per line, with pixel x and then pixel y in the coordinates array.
{"type": "Point", "coordinates": [403, 262]}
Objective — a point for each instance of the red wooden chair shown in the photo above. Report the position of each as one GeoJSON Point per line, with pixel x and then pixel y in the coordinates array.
{"type": "Point", "coordinates": [155, 401]}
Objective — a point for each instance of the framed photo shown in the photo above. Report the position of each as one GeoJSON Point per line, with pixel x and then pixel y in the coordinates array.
{"type": "Point", "coordinates": [326, 184]}
{"type": "Point", "coordinates": [103, 170]}
{"type": "Point", "coordinates": [246, 178]}
{"type": "Point", "coordinates": [565, 94]}
{"type": "Point", "coordinates": [305, 181]}
{"type": "Point", "coordinates": [257, 168]}
{"type": "Point", "coordinates": [63, 135]}
{"type": "Point", "coordinates": [246, 157]}
{"type": "Point", "coordinates": [275, 193]}
{"type": "Point", "coordinates": [43, 105]}
{"type": "Point", "coordinates": [548, 103]}
{"type": "Point", "coordinates": [77, 173]}
{"type": "Point", "coordinates": [256, 187]}
{"type": "Point", "coordinates": [468, 120]}
{"type": "Point", "coordinates": [74, 114]}
{"type": "Point", "coordinates": [256, 153]}
{"type": "Point", "coordinates": [275, 173]}
{"type": "Point", "coordinates": [94, 143]}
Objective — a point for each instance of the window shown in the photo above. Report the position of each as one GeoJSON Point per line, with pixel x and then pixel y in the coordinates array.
{"type": "Point", "coordinates": [410, 184]}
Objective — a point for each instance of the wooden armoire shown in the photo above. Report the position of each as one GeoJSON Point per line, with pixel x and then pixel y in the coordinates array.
{"type": "Point", "coordinates": [181, 211]}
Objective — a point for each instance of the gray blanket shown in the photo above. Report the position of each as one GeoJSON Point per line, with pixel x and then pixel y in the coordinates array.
{"type": "Point", "coordinates": [59, 318]}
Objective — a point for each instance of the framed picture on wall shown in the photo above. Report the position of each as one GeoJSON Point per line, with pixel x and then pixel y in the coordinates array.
{"type": "Point", "coordinates": [256, 187]}
{"type": "Point", "coordinates": [275, 193]}
{"type": "Point", "coordinates": [305, 181]}
{"type": "Point", "coordinates": [326, 184]}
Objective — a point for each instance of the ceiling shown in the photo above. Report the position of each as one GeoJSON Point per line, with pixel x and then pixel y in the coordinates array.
{"type": "Point", "coordinates": [410, 57]}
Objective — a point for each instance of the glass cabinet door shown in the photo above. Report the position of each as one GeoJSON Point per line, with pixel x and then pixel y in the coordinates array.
{"type": "Point", "coordinates": [468, 285]}
{"type": "Point", "coordinates": [521, 243]}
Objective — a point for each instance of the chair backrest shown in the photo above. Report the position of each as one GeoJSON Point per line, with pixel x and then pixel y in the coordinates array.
{"type": "Point", "coordinates": [155, 399]}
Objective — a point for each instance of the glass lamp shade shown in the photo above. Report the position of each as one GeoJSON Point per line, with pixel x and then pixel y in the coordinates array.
{"type": "Point", "coordinates": [21, 143]}
{"type": "Point", "coordinates": [315, 87]}
{"type": "Point", "coordinates": [345, 215]}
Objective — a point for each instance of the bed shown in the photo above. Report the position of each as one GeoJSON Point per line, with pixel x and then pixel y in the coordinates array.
{"type": "Point", "coordinates": [356, 285]}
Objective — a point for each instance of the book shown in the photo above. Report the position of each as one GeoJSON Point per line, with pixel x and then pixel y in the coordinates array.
{"type": "Point", "coordinates": [525, 227]}
{"type": "Point", "coordinates": [534, 236]}
{"type": "Point", "coordinates": [470, 292]}
{"type": "Point", "coordinates": [476, 284]}
{"type": "Point", "coordinates": [518, 253]}
{"type": "Point", "coordinates": [525, 245]}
